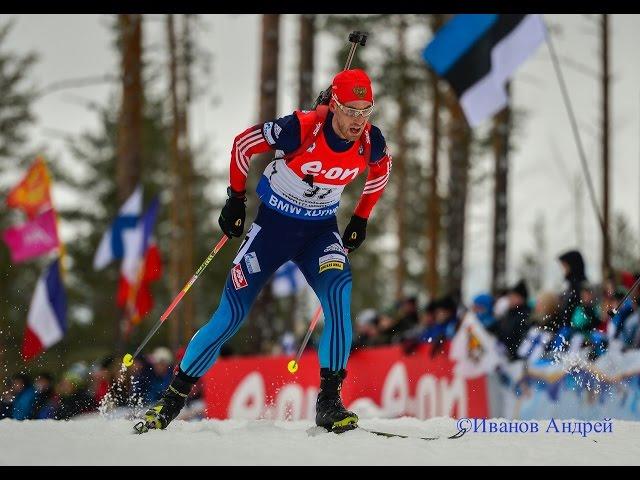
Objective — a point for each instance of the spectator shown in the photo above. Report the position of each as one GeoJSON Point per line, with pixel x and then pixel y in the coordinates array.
{"type": "Point", "coordinates": [483, 308]}
{"type": "Point", "coordinates": [288, 343]}
{"type": "Point", "coordinates": [574, 274]}
{"type": "Point", "coordinates": [45, 402]}
{"type": "Point", "coordinates": [407, 317]}
{"type": "Point", "coordinates": [386, 322]}
{"type": "Point", "coordinates": [103, 378]}
{"type": "Point", "coordinates": [585, 318]}
{"type": "Point", "coordinates": [366, 331]}
{"type": "Point", "coordinates": [23, 396]}
{"type": "Point", "coordinates": [426, 320]}
{"type": "Point", "coordinates": [546, 309]}
{"type": "Point", "coordinates": [537, 340]}
{"type": "Point", "coordinates": [141, 377]}
{"type": "Point", "coordinates": [501, 305]}
{"type": "Point", "coordinates": [514, 324]}
{"type": "Point", "coordinates": [446, 321]}
{"type": "Point", "coordinates": [74, 399]}
{"type": "Point", "coordinates": [400, 319]}
{"type": "Point", "coordinates": [624, 323]}
{"type": "Point", "coordinates": [162, 370]}
{"type": "Point", "coordinates": [6, 399]}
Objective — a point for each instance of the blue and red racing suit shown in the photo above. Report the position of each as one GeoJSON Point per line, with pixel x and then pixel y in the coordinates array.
{"type": "Point", "coordinates": [300, 193]}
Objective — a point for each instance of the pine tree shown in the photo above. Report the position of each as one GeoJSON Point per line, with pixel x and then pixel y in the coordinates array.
{"type": "Point", "coordinates": [16, 154]}
{"type": "Point", "coordinates": [91, 294]}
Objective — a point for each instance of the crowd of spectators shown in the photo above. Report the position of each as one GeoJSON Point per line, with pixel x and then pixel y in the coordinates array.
{"type": "Point", "coordinates": [87, 389]}
{"type": "Point", "coordinates": [525, 327]}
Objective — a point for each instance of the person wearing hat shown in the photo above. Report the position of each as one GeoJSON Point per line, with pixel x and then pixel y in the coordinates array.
{"type": "Point", "coordinates": [446, 323]}
{"type": "Point", "coordinates": [73, 396]}
{"type": "Point", "coordinates": [367, 333]}
{"type": "Point", "coordinates": [161, 360]}
{"type": "Point", "coordinates": [514, 324]}
{"type": "Point", "coordinates": [574, 273]}
{"type": "Point", "coordinates": [317, 154]}
{"type": "Point", "coordinates": [482, 306]}
{"type": "Point", "coordinates": [23, 396]}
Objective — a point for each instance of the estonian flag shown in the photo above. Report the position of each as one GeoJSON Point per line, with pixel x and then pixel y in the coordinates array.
{"type": "Point", "coordinates": [46, 320]}
{"type": "Point", "coordinates": [477, 54]}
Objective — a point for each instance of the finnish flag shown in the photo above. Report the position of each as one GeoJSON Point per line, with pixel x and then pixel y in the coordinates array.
{"type": "Point", "coordinates": [288, 280]}
{"type": "Point", "coordinates": [114, 241]}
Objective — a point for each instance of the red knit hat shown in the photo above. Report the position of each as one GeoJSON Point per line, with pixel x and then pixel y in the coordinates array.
{"type": "Point", "coordinates": [351, 86]}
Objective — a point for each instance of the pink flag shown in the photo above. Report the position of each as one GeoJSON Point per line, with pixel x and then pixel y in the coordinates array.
{"type": "Point", "coordinates": [34, 238]}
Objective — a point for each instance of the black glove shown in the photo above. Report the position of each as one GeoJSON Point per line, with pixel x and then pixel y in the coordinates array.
{"type": "Point", "coordinates": [355, 233]}
{"type": "Point", "coordinates": [232, 216]}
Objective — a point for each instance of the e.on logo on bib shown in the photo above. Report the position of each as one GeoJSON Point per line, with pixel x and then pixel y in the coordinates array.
{"type": "Point", "coordinates": [334, 173]}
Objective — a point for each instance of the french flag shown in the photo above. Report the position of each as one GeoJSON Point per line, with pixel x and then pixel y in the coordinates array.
{"type": "Point", "coordinates": [46, 321]}
{"type": "Point", "coordinates": [112, 245]}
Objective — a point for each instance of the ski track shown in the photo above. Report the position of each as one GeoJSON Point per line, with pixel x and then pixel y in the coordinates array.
{"type": "Point", "coordinates": [99, 441]}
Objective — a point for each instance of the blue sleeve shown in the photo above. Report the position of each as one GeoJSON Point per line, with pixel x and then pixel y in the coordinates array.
{"type": "Point", "coordinates": [378, 144]}
{"type": "Point", "coordinates": [283, 133]}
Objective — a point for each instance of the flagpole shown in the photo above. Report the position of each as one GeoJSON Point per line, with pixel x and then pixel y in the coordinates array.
{"type": "Point", "coordinates": [574, 127]}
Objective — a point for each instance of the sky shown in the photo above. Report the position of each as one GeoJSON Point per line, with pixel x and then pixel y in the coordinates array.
{"type": "Point", "coordinates": [543, 167]}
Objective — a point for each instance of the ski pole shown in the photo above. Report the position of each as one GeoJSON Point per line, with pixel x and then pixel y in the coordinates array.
{"type": "Point", "coordinates": [612, 313]}
{"type": "Point", "coordinates": [292, 366]}
{"type": "Point", "coordinates": [127, 360]}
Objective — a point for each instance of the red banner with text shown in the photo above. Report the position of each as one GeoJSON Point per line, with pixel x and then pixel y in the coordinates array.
{"type": "Point", "coordinates": [382, 382]}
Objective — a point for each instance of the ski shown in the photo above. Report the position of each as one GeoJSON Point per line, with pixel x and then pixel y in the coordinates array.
{"type": "Point", "coordinates": [459, 434]}
{"type": "Point", "coordinates": [320, 430]}
{"type": "Point", "coordinates": [141, 427]}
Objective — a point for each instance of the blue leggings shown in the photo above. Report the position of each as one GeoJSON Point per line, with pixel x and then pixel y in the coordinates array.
{"type": "Point", "coordinates": [273, 239]}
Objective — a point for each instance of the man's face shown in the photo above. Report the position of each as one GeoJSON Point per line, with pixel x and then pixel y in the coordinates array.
{"type": "Point", "coordinates": [41, 384]}
{"type": "Point", "coordinates": [442, 315]}
{"type": "Point", "coordinates": [516, 300]}
{"type": "Point", "coordinates": [160, 367]}
{"type": "Point", "coordinates": [586, 296]}
{"type": "Point", "coordinates": [18, 385]}
{"type": "Point", "coordinates": [427, 319]}
{"type": "Point", "coordinates": [346, 126]}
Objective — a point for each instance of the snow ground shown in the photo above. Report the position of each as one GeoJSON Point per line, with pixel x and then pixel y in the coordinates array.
{"type": "Point", "coordinates": [100, 441]}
